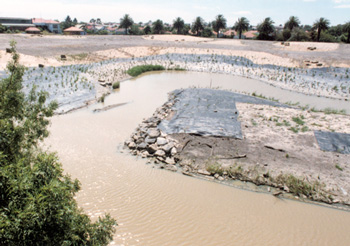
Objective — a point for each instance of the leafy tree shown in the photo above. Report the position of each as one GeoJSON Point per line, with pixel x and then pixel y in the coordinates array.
{"type": "Point", "coordinates": [292, 23]}
{"type": "Point", "coordinates": [37, 205]}
{"type": "Point", "coordinates": [147, 30]}
{"type": "Point", "coordinates": [2, 28]}
{"type": "Point", "coordinates": [67, 23]}
{"type": "Point", "coordinates": [207, 32]}
{"type": "Point", "coordinates": [98, 21]}
{"type": "Point", "coordinates": [93, 21]}
{"type": "Point", "coordinates": [241, 25]}
{"type": "Point", "coordinates": [299, 35]}
{"type": "Point", "coordinates": [346, 29]}
{"type": "Point", "coordinates": [179, 25]}
{"type": "Point", "coordinates": [198, 26]}
{"type": "Point", "coordinates": [219, 23]}
{"type": "Point", "coordinates": [158, 27]}
{"type": "Point", "coordinates": [75, 21]}
{"type": "Point", "coordinates": [321, 25]}
{"type": "Point", "coordinates": [265, 29]}
{"type": "Point", "coordinates": [135, 30]}
{"type": "Point", "coordinates": [126, 22]}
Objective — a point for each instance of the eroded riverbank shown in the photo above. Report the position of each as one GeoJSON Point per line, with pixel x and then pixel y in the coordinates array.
{"type": "Point", "coordinates": [197, 131]}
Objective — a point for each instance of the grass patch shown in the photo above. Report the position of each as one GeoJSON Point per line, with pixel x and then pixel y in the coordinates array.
{"type": "Point", "coordinates": [338, 167]}
{"type": "Point", "coordinates": [79, 57]}
{"type": "Point", "coordinates": [136, 71]}
{"type": "Point", "coordinates": [294, 129]}
{"type": "Point", "coordinates": [298, 120]}
{"type": "Point", "coordinates": [304, 129]}
{"type": "Point", "coordinates": [298, 186]}
{"type": "Point", "coordinates": [116, 85]}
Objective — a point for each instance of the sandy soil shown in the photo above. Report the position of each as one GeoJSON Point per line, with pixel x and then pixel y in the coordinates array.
{"type": "Point", "coordinates": [303, 46]}
{"type": "Point", "coordinates": [177, 38]}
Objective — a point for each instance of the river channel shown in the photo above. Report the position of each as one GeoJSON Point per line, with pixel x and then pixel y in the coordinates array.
{"type": "Point", "coordinates": [158, 207]}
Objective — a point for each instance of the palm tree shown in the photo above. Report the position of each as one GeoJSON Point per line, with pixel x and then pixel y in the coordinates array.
{"type": "Point", "coordinates": [346, 28]}
{"type": "Point", "coordinates": [265, 28]}
{"type": "Point", "coordinates": [158, 27]}
{"type": "Point", "coordinates": [126, 22]}
{"type": "Point", "coordinates": [219, 23]}
{"type": "Point", "coordinates": [179, 24]}
{"type": "Point", "coordinates": [241, 25]}
{"type": "Point", "coordinates": [292, 23]}
{"type": "Point", "coordinates": [321, 25]}
{"type": "Point", "coordinates": [198, 25]}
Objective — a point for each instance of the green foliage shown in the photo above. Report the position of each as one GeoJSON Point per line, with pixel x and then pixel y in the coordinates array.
{"type": "Point", "coordinates": [219, 23]}
{"type": "Point", "coordinates": [2, 28]}
{"type": "Point", "coordinates": [135, 30]}
{"type": "Point", "coordinates": [338, 167]}
{"type": "Point", "coordinates": [126, 22]}
{"type": "Point", "coordinates": [158, 27]}
{"type": "Point", "coordinates": [37, 205]}
{"type": "Point", "coordinates": [292, 23]}
{"type": "Point", "coordinates": [147, 30]}
{"type": "Point", "coordinates": [320, 25]}
{"type": "Point", "coordinates": [207, 32]}
{"type": "Point", "coordinates": [265, 29]}
{"type": "Point", "coordinates": [136, 71]}
{"type": "Point", "coordinates": [116, 85]}
{"type": "Point", "coordinates": [241, 25]}
{"type": "Point", "coordinates": [198, 26]}
{"type": "Point", "coordinates": [298, 186]}
{"type": "Point", "coordinates": [298, 120]}
{"type": "Point", "coordinates": [299, 35]}
{"type": "Point", "coordinates": [179, 25]}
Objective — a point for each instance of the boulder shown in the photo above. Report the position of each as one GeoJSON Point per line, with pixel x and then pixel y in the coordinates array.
{"type": "Point", "coordinates": [170, 161]}
{"type": "Point", "coordinates": [168, 147]}
{"type": "Point", "coordinates": [203, 172]}
{"type": "Point", "coordinates": [142, 145]}
{"type": "Point", "coordinates": [153, 133]}
{"type": "Point", "coordinates": [152, 148]}
{"type": "Point", "coordinates": [173, 151]}
{"type": "Point", "coordinates": [150, 140]}
{"type": "Point", "coordinates": [160, 153]}
{"type": "Point", "coordinates": [172, 168]}
{"type": "Point", "coordinates": [132, 145]}
{"type": "Point", "coordinates": [161, 141]}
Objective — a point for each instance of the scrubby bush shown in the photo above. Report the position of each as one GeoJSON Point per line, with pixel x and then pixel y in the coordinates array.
{"type": "Point", "coordinates": [116, 85]}
{"type": "Point", "coordinates": [136, 71]}
{"type": "Point", "coordinates": [37, 205]}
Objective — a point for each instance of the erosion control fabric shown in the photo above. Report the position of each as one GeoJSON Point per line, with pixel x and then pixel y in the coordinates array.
{"type": "Point", "coordinates": [333, 141]}
{"type": "Point", "coordinates": [208, 112]}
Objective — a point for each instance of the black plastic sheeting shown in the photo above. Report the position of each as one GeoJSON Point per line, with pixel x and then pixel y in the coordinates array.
{"type": "Point", "coordinates": [333, 141]}
{"type": "Point", "coordinates": [208, 112]}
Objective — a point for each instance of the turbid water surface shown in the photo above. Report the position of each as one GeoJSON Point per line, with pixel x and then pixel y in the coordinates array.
{"type": "Point", "coordinates": [158, 207]}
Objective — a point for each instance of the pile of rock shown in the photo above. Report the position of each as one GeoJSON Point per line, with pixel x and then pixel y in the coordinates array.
{"type": "Point", "coordinates": [149, 142]}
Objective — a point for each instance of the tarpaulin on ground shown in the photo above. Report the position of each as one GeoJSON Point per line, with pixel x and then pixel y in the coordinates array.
{"type": "Point", "coordinates": [333, 141]}
{"type": "Point", "coordinates": [208, 112]}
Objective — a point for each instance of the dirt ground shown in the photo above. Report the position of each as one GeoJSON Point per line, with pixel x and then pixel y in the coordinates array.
{"type": "Point", "coordinates": [51, 47]}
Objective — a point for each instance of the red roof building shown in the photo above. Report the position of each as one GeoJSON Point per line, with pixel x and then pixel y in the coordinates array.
{"type": "Point", "coordinates": [73, 31]}
{"type": "Point", "coordinates": [49, 25]}
{"type": "Point", "coordinates": [33, 30]}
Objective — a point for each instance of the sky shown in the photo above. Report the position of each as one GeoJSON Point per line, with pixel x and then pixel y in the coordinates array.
{"type": "Point", "coordinates": [336, 11]}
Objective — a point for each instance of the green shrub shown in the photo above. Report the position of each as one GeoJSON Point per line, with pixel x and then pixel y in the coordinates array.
{"type": "Point", "coordinates": [116, 85]}
{"type": "Point", "coordinates": [136, 71]}
{"type": "Point", "coordinates": [37, 205]}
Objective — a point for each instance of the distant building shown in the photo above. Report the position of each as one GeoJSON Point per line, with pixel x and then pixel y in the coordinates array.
{"type": "Point", "coordinates": [32, 30]}
{"type": "Point", "coordinates": [250, 35]}
{"type": "Point", "coordinates": [73, 31]}
{"type": "Point", "coordinates": [49, 25]}
{"type": "Point", "coordinates": [20, 24]}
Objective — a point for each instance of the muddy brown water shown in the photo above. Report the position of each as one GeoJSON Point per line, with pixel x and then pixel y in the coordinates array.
{"type": "Point", "coordinates": [158, 207]}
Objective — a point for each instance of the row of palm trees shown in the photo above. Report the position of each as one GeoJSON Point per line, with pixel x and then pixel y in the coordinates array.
{"type": "Point", "coordinates": [266, 28]}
